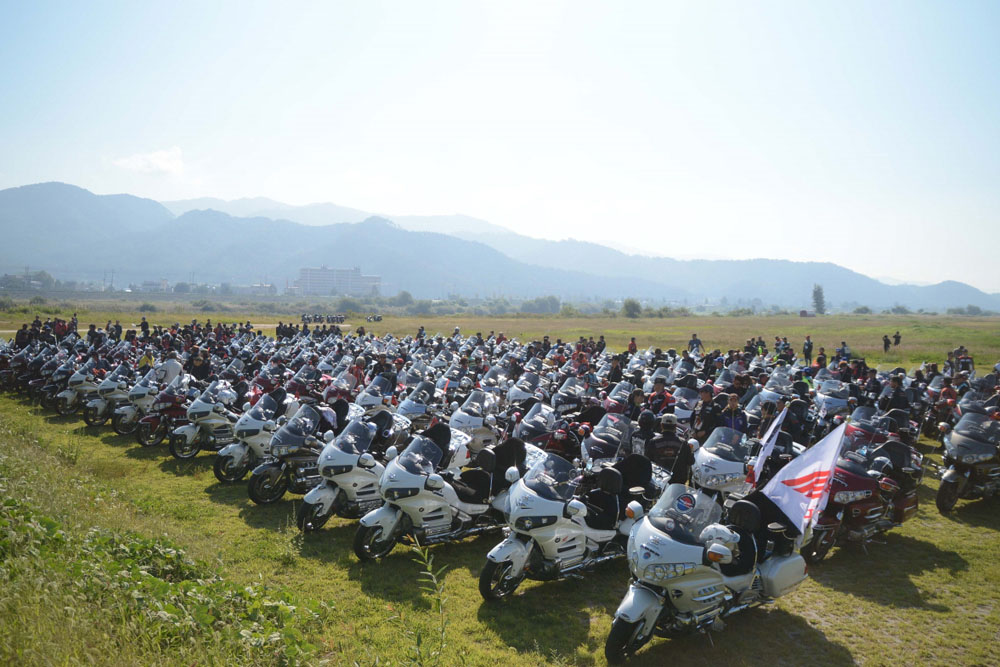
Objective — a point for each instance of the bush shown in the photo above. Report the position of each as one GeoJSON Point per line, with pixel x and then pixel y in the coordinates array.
{"type": "Point", "coordinates": [631, 308]}
{"type": "Point", "coordinates": [37, 301]}
{"type": "Point", "coordinates": [6, 304]}
{"type": "Point", "coordinates": [147, 308]}
{"type": "Point", "coordinates": [863, 310]}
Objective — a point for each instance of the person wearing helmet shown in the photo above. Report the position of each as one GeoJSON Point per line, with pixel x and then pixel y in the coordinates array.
{"type": "Point", "coordinates": [647, 422]}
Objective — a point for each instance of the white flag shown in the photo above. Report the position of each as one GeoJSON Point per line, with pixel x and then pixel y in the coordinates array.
{"type": "Point", "coordinates": [768, 445]}
{"type": "Point", "coordinates": [800, 489]}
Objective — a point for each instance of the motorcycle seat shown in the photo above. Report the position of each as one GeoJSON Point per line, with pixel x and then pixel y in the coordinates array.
{"type": "Point", "coordinates": [472, 486]}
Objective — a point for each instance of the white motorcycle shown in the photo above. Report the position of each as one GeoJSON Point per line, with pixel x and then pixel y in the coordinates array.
{"type": "Point", "coordinates": [212, 422]}
{"type": "Point", "coordinates": [253, 437]}
{"type": "Point", "coordinates": [428, 500]}
{"type": "Point", "coordinates": [112, 393]}
{"type": "Point", "coordinates": [81, 388]}
{"type": "Point", "coordinates": [351, 467]}
{"type": "Point", "coordinates": [689, 572]}
{"type": "Point", "coordinates": [140, 402]}
{"type": "Point", "coordinates": [476, 418]}
{"type": "Point", "coordinates": [561, 522]}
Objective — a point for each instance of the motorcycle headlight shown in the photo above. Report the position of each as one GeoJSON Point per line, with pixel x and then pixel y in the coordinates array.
{"type": "Point", "coordinates": [398, 493]}
{"type": "Point", "coordinates": [845, 497]}
{"type": "Point", "coordinates": [284, 450]}
{"type": "Point", "coordinates": [526, 523]}
{"type": "Point", "coordinates": [195, 416]}
{"type": "Point", "coordinates": [247, 432]}
{"type": "Point", "coordinates": [976, 458]}
{"type": "Point", "coordinates": [330, 471]}
{"type": "Point", "coordinates": [665, 571]}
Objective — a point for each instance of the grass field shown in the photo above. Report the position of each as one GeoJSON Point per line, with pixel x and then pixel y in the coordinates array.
{"type": "Point", "coordinates": [929, 595]}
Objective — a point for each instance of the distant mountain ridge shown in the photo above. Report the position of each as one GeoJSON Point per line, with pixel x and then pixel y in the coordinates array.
{"type": "Point", "coordinates": [67, 229]}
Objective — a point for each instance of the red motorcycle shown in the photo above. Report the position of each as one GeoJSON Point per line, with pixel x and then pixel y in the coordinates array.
{"type": "Point", "coordinates": [168, 411]}
{"type": "Point", "coordinates": [872, 492]}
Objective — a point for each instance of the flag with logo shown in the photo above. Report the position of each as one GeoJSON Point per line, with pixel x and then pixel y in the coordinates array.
{"type": "Point", "coordinates": [767, 447]}
{"type": "Point", "coordinates": [801, 488]}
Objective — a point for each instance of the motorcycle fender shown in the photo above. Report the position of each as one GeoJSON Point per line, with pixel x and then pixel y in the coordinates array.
{"type": "Point", "coordinates": [514, 550]}
{"type": "Point", "coordinates": [386, 516]}
{"type": "Point", "coordinates": [322, 496]}
{"type": "Point", "coordinates": [236, 450]}
{"type": "Point", "coordinates": [953, 475]}
{"type": "Point", "coordinates": [272, 469]}
{"type": "Point", "coordinates": [640, 604]}
{"type": "Point", "coordinates": [189, 432]}
{"type": "Point", "coordinates": [97, 404]}
{"type": "Point", "coordinates": [127, 410]}
{"type": "Point", "coordinates": [68, 394]}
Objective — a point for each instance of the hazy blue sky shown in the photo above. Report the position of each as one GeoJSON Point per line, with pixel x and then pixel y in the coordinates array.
{"type": "Point", "coordinates": [866, 134]}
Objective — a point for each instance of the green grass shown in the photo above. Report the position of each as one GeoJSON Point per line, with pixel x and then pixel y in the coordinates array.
{"type": "Point", "coordinates": [929, 595]}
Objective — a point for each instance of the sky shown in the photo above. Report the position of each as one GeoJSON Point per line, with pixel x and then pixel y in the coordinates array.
{"type": "Point", "coordinates": [860, 133]}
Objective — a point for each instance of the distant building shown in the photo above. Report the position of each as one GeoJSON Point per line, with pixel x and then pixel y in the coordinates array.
{"type": "Point", "coordinates": [327, 281]}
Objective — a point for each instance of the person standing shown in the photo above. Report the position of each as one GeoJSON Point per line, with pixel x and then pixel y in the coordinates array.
{"type": "Point", "coordinates": [896, 339]}
{"type": "Point", "coordinates": [885, 343]}
{"type": "Point", "coordinates": [807, 350]}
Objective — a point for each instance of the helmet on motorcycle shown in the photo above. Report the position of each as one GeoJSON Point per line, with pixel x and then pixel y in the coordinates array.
{"type": "Point", "coordinates": [646, 420]}
{"type": "Point", "coordinates": [716, 533]}
{"type": "Point", "coordinates": [882, 465]}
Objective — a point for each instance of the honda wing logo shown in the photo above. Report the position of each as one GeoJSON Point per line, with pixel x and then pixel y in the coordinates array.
{"type": "Point", "coordinates": [812, 485]}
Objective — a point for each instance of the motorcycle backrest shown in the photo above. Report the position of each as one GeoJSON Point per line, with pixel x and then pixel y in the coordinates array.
{"type": "Point", "coordinates": [439, 434]}
{"type": "Point", "coordinates": [486, 459]}
{"type": "Point", "coordinates": [636, 470]}
{"type": "Point", "coordinates": [745, 515]}
{"type": "Point", "coordinates": [800, 387]}
{"type": "Point", "coordinates": [609, 480]}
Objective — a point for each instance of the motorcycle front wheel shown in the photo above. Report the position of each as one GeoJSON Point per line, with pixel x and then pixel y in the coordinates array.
{"type": "Point", "coordinates": [48, 401]}
{"type": "Point", "coordinates": [262, 492]}
{"type": "Point", "coordinates": [150, 437]}
{"type": "Point", "coordinates": [122, 426]}
{"type": "Point", "coordinates": [623, 641]}
{"type": "Point", "coordinates": [94, 417]}
{"type": "Point", "coordinates": [817, 548]}
{"type": "Point", "coordinates": [496, 582]}
{"type": "Point", "coordinates": [947, 497]}
{"type": "Point", "coordinates": [182, 449]}
{"type": "Point", "coordinates": [309, 517]}
{"type": "Point", "coordinates": [228, 471]}
{"type": "Point", "coordinates": [369, 545]}
{"type": "Point", "coordinates": [64, 407]}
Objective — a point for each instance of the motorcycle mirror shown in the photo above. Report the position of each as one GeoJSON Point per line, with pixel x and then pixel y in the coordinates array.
{"type": "Point", "coordinates": [512, 475]}
{"type": "Point", "coordinates": [328, 436]}
{"type": "Point", "coordinates": [491, 420]}
{"type": "Point", "coordinates": [454, 406]}
{"type": "Point", "coordinates": [366, 460]}
{"type": "Point", "coordinates": [391, 453]}
{"type": "Point", "coordinates": [718, 553]}
{"type": "Point", "coordinates": [576, 508]}
{"type": "Point", "coordinates": [269, 425]}
{"type": "Point", "coordinates": [634, 510]}
{"type": "Point", "coordinates": [694, 444]}
{"type": "Point", "coordinates": [434, 482]}
{"type": "Point", "coordinates": [246, 406]}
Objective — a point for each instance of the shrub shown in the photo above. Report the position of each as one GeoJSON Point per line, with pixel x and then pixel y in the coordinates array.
{"type": "Point", "coordinates": [147, 308]}
{"type": "Point", "coordinates": [37, 301]}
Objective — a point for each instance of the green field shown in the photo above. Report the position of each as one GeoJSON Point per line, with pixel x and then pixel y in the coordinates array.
{"type": "Point", "coordinates": [929, 595]}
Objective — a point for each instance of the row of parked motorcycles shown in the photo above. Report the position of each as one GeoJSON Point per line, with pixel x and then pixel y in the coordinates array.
{"type": "Point", "coordinates": [467, 436]}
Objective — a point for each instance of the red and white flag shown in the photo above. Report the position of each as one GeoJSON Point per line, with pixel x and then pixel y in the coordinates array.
{"type": "Point", "coordinates": [768, 446]}
{"type": "Point", "coordinates": [801, 488]}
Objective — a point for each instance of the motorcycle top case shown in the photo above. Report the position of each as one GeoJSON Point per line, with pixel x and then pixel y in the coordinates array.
{"type": "Point", "coordinates": [781, 574]}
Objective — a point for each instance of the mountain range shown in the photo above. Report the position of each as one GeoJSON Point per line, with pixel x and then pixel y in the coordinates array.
{"type": "Point", "coordinates": [75, 234]}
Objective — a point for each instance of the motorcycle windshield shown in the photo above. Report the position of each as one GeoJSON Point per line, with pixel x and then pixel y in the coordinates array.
{"type": "Point", "coordinates": [833, 389]}
{"type": "Point", "coordinates": [553, 478]}
{"type": "Point", "coordinates": [689, 511]}
{"type": "Point", "coordinates": [728, 444]}
{"type": "Point", "coordinates": [864, 417]}
{"type": "Point", "coordinates": [779, 383]}
{"type": "Point", "coordinates": [686, 398]}
{"type": "Point", "coordinates": [235, 367]}
{"type": "Point", "coordinates": [421, 456]}
{"type": "Point", "coordinates": [345, 381]}
{"type": "Point", "coordinates": [380, 386]}
{"type": "Point", "coordinates": [475, 404]}
{"type": "Point", "coordinates": [726, 377]}
{"type": "Point", "coordinates": [294, 432]}
{"type": "Point", "coordinates": [147, 379]}
{"type": "Point", "coordinates": [211, 393]}
{"type": "Point", "coordinates": [978, 427]}
{"type": "Point", "coordinates": [123, 371]}
{"type": "Point", "coordinates": [613, 430]}
{"type": "Point", "coordinates": [528, 382]}
{"type": "Point", "coordinates": [823, 374]}
{"type": "Point", "coordinates": [356, 438]}
{"type": "Point", "coordinates": [572, 387]}
{"type": "Point", "coordinates": [493, 377]}
{"type": "Point", "coordinates": [621, 392]}
{"type": "Point", "coordinates": [307, 374]}
{"type": "Point", "coordinates": [264, 409]}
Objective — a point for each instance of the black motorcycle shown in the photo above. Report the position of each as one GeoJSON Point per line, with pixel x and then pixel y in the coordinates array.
{"type": "Point", "coordinates": [972, 460]}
